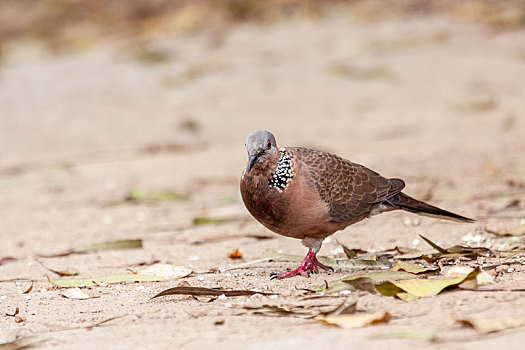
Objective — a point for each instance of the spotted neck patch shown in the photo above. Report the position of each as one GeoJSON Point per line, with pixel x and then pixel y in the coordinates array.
{"type": "Point", "coordinates": [284, 171]}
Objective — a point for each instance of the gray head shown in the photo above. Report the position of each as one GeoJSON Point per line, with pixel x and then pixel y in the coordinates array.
{"type": "Point", "coordinates": [259, 145]}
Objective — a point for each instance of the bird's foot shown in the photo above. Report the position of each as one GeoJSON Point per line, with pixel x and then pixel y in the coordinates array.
{"type": "Point", "coordinates": [309, 265]}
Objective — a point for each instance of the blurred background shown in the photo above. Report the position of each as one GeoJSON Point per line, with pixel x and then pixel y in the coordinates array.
{"type": "Point", "coordinates": [99, 99]}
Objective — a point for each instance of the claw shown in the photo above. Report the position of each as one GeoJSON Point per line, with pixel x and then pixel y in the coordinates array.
{"type": "Point", "coordinates": [309, 265]}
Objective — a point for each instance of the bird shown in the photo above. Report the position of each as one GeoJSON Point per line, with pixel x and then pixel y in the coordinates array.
{"type": "Point", "coordinates": [308, 194]}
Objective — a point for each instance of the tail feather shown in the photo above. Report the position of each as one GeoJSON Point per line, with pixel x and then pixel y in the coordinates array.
{"type": "Point", "coordinates": [407, 203]}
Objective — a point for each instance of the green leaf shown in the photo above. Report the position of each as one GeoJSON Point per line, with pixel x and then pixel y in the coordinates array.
{"type": "Point", "coordinates": [202, 220]}
{"type": "Point", "coordinates": [138, 195]}
{"type": "Point", "coordinates": [424, 287]}
{"type": "Point", "coordinates": [112, 245]}
{"type": "Point", "coordinates": [90, 282]}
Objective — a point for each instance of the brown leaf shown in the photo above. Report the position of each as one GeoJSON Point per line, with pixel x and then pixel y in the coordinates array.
{"type": "Point", "coordinates": [29, 289]}
{"type": "Point", "coordinates": [17, 310]}
{"type": "Point", "coordinates": [351, 253]}
{"type": "Point", "coordinates": [455, 251]}
{"type": "Point", "coordinates": [200, 291]}
{"type": "Point", "coordinates": [435, 246]}
{"type": "Point", "coordinates": [235, 254]}
{"type": "Point", "coordinates": [7, 259]}
{"type": "Point", "coordinates": [20, 319]}
{"type": "Point", "coordinates": [63, 273]}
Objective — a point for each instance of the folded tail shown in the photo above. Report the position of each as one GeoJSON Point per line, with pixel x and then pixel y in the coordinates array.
{"type": "Point", "coordinates": [407, 203]}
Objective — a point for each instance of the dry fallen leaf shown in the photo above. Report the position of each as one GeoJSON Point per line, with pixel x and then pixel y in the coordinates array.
{"type": "Point", "coordinates": [413, 268]}
{"type": "Point", "coordinates": [199, 291]}
{"type": "Point", "coordinates": [61, 273]}
{"type": "Point", "coordinates": [517, 231]}
{"type": "Point", "coordinates": [25, 291]}
{"type": "Point", "coordinates": [357, 264]}
{"type": "Point", "coordinates": [361, 281]}
{"type": "Point", "coordinates": [355, 320]}
{"type": "Point", "coordinates": [112, 245]}
{"type": "Point", "coordinates": [482, 279]}
{"type": "Point", "coordinates": [17, 310]}
{"type": "Point", "coordinates": [307, 311]}
{"type": "Point", "coordinates": [218, 238]}
{"type": "Point", "coordinates": [7, 259]}
{"type": "Point", "coordinates": [407, 335]}
{"type": "Point", "coordinates": [490, 325]}
{"type": "Point", "coordinates": [235, 254]}
{"type": "Point", "coordinates": [22, 343]}
{"type": "Point", "coordinates": [138, 195]}
{"type": "Point", "coordinates": [95, 281]}
{"type": "Point", "coordinates": [351, 253]}
{"type": "Point", "coordinates": [202, 220]}
{"type": "Point", "coordinates": [455, 251]}
{"type": "Point", "coordinates": [415, 288]}
{"type": "Point", "coordinates": [19, 319]}
{"type": "Point", "coordinates": [168, 271]}
{"type": "Point", "coordinates": [75, 293]}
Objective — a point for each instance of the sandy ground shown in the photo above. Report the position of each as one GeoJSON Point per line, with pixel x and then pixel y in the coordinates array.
{"type": "Point", "coordinates": [437, 103]}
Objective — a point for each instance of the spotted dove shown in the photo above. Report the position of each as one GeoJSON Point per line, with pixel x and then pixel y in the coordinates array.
{"type": "Point", "coordinates": [307, 194]}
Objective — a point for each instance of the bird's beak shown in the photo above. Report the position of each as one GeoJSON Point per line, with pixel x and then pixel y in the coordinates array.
{"type": "Point", "coordinates": [251, 162]}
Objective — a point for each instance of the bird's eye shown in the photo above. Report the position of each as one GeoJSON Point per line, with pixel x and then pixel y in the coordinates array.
{"type": "Point", "coordinates": [269, 145]}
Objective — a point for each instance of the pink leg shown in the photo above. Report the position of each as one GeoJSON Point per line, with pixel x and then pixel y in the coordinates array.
{"type": "Point", "coordinates": [309, 264]}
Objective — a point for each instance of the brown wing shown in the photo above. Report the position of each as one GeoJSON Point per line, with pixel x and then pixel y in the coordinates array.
{"type": "Point", "coordinates": [350, 190]}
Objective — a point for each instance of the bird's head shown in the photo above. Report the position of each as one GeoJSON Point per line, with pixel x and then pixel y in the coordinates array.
{"type": "Point", "coordinates": [260, 145]}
